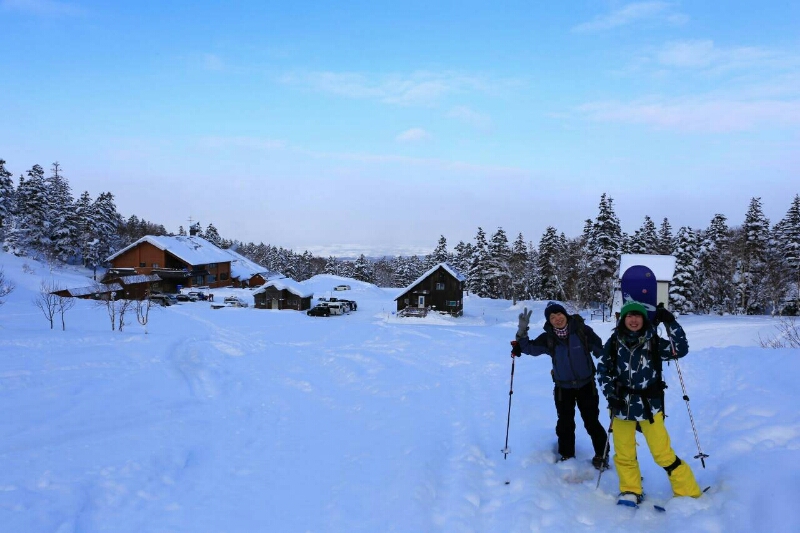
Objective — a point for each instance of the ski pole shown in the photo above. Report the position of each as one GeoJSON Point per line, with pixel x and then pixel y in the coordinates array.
{"type": "Point", "coordinates": [607, 449]}
{"type": "Point", "coordinates": [514, 352]}
{"type": "Point", "coordinates": [700, 455]}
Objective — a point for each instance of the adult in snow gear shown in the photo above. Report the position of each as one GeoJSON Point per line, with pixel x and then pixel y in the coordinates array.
{"type": "Point", "coordinates": [514, 353]}
{"type": "Point", "coordinates": [630, 369]}
{"type": "Point", "coordinates": [570, 344]}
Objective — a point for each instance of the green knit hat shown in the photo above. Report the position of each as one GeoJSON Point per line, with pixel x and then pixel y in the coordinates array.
{"type": "Point", "coordinates": [632, 307]}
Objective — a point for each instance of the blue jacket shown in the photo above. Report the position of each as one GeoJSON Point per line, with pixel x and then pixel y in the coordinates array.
{"type": "Point", "coordinates": [573, 367]}
{"type": "Point", "coordinates": [633, 378]}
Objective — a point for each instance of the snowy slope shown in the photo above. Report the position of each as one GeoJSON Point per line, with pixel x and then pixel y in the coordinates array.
{"type": "Point", "coordinates": [242, 420]}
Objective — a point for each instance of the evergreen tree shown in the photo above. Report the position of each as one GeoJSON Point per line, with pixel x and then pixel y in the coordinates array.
{"type": "Point", "coordinates": [715, 269]}
{"type": "Point", "coordinates": [788, 239]}
{"type": "Point", "coordinates": [85, 222]}
{"type": "Point", "coordinates": [548, 283]}
{"type": "Point", "coordinates": [212, 236]}
{"type": "Point", "coordinates": [665, 240]}
{"type": "Point", "coordinates": [681, 290]}
{"type": "Point", "coordinates": [439, 254]}
{"type": "Point", "coordinates": [33, 226]}
{"type": "Point", "coordinates": [64, 239]}
{"type": "Point", "coordinates": [107, 222]}
{"type": "Point", "coordinates": [753, 260]}
{"type": "Point", "coordinates": [478, 276]}
{"type": "Point", "coordinates": [463, 260]}
{"type": "Point", "coordinates": [332, 266]}
{"type": "Point", "coordinates": [498, 268]}
{"type": "Point", "coordinates": [517, 265]}
{"type": "Point", "coordinates": [607, 239]}
{"type": "Point", "coordinates": [6, 197]}
{"type": "Point", "coordinates": [362, 269]}
{"type": "Point", "coordinates": [181, 231]}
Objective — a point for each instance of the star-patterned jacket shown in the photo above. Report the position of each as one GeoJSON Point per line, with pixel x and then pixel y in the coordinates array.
{"type": "Point", "coordinates": [634, 369]}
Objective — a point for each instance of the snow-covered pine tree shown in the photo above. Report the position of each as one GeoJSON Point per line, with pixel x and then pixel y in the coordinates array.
{"type": "Point", "coordinates": [645, 239]}
{"type": "Point", "coordinates": [212, 235]}
{"type": "Point", "coordinates": [549, 284]}
{"type": "Point", "coordinates": [463, 260]}
{"type": "Point", "coordinates": [517, 265]}
{"type": "Point", "coordinates": [332, 266]}
{"type": "Point", "coordinates": [478, 276]}
{"type": "Point", "coordinates": [788, 237]}
{"type": "Point", "coordinates": [681, 290]}
{"type": "Point", "coordinates": [665, 240]}
{"type": "Point", "coordinates": [64, 242]}
{"type": "Point", "coordinates": [713, 287]}
{"type": "Point", "coordinates": [498, 267]}
{"type": "Point", "coordinates": [439, 254]}
{"type": "Point", "coordinates": [33, 226]}
{"type": "Point", "coordinates": [107, 222]}
{"type": "Point", "coordinates": [753, 249]}
{"type": "Point", "coordinates": [362, 269]}
{"type": "Point", "coordinates": [607, 238]}
{"type": "Point", "coordinates": [85, 222]}
{"type": "Point", "coordinates": [181, 231]}
{"type": "Point", "coordinates": [7, 201]}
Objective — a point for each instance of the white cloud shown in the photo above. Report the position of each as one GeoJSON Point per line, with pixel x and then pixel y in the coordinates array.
{"type": "Point", "coordinates": [697, 114]}
{"type": "Point", "coordinates": [413, 135]}
{"type": "Point", "coordinates": [420, 88]}
{"type": "Point", "coordinates": [632, 13]}
{"type": "Point", "coordinates": [42, 7]}
{"type": "Point", "coordinates": [251, 143]}
{"type": "Point", "coordinates": [470, 116]}
{"type": "Point", "coordinates": [213, 62]}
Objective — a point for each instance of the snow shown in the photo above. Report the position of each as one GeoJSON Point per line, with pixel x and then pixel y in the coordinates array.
{"type": "Point", "coordinates": [243, 420]}
{"type": "Point", "coordinates": [287, 284]}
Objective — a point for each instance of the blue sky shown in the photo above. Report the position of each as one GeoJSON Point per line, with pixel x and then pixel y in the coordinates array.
{"type": "Point", "coordinates": [384, 125]}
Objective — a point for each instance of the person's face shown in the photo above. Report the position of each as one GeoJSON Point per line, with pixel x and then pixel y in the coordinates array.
{"type": "Point", "coordinates": [634, 321]}
{"type": "Point", "coordinates": [558, 320]}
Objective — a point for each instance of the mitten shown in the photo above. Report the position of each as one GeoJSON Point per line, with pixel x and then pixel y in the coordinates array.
{"type": "Point", "coordinates": [524, 320]}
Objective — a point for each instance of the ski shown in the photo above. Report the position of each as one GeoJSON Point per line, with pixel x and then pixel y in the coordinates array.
{"type": "Point", "coordinates": [662, 507]}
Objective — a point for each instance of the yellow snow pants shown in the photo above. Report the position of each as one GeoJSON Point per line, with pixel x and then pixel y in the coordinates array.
{"type": "Point", "coordinates": [630, 478]}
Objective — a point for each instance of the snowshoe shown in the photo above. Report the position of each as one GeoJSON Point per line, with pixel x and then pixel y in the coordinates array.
{"type": "Point", "coordinates": [630, 499]}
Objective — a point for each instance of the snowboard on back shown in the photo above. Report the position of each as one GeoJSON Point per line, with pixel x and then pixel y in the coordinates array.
{"type": "Point", "coordinates": [639, 284]}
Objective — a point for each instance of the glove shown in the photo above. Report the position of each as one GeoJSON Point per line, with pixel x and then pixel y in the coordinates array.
{"type": "Point", "coordinates": [617, 403]}
{"type": "Point", "coordinates": [524, 320]}
{"type": "Point", "coordinates": [516, 349]}
{"type": "Point", "coordinates": [662, 315]}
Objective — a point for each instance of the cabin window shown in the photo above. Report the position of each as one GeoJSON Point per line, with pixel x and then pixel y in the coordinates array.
{"type": "Point", "coordinates": [142, 265]}
{"type": "Point", "coordinates": [405, 301]}
{"type": "Point", "coordinates": [210, 279]}
{"type": "Point", "coordinates": [211, 265]}
{"type": "Point", "coordinates": [440, 286]}
{"type": "Point", "coordinates": [224, 276]}
{"type": "Point", "coordinates": [155, 265]}
{"type": "Point", "coordinates": [452, 303]}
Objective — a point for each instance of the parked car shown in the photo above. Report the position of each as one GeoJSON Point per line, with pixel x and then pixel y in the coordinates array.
{"type": "Point", "coordinates": [234, 301]}
{"type": "Point", "coordinates": [319, 310]}
{"type": "Point", "coordinates": [161, 299]}
{"type": "Point", "coordinates": [351, 304]}
{"type": "Point", "coordinates": [198, 295]}
{"type": "Point", "coordinates": [342, 288]}
{"type": "Point", "coordinates": [181, 297]}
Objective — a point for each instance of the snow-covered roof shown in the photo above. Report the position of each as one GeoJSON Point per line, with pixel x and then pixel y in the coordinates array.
{"type": "Point", "coordinates": [139, 278]}
{"type": "Point", "coordinates": [452, 271]}
{"type": "Point", "coordinates": [244, 268]}
{"type": "Point", "coordinates": [191, 249]}
{"type": "Point", "coordinates": [663, 266]}
{"type": "Point", "coordinates": [285, 284]}
{"type": "Point", "coordinates": [93, 289]}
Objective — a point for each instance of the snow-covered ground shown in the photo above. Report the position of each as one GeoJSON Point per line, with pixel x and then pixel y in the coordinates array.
{"type": "Point", "coordinates": [245, 420]}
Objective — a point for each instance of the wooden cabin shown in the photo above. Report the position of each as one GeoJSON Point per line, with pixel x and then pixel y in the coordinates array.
{"type": "Point", "coordinates": [282, 293]}
{"type": "Point", "coordinates": [439, 289]}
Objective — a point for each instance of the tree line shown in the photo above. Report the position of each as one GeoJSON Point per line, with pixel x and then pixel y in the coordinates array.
{"type": "Point", "coordinates": [752, 268]}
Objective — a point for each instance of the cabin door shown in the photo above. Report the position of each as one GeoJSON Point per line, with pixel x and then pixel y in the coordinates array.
{"type": "Point", "coordinates": [421, 302]}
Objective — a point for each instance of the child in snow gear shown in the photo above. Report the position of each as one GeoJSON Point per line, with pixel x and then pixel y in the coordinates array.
{"type": "Point", "coordinates": [570, 344]}
{"type": "Point", "coordinates": [630, 376]}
